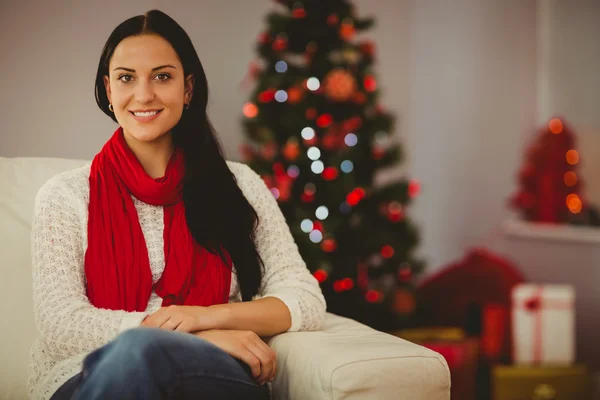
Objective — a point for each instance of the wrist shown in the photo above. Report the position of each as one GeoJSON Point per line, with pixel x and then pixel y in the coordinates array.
{"type": "Point", "coordinates": [221, 316]}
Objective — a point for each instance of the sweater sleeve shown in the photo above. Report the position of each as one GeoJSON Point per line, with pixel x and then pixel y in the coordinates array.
{"type": "Point", "coordinates": [286, 276]}
{"type": "Point", "coordinates": [66, 320]}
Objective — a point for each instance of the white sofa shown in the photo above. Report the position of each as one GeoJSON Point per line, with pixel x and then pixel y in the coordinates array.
{"type": "Point", "coordinates": [346, 360]}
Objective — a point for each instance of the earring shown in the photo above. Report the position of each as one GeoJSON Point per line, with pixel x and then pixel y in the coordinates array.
{"type": "Point", "coordinates": [110, 107]}
{"type": "Point", "coordinates": [187, 106]}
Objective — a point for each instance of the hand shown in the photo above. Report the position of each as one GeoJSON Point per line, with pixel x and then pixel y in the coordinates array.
{"type": "Point", "coordinates": [183, 319]}
{"type": "Point", "coordinates": [246, 346]}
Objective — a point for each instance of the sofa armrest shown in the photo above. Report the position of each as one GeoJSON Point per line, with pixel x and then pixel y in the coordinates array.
{"type": "Point", "coordinates": [348, 360]}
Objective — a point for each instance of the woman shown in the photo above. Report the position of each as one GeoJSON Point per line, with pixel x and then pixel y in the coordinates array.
{"type": "Point", "coordinates": [159, 267]}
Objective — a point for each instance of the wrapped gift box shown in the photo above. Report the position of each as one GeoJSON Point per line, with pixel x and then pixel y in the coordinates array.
{"type": "Point", "coordinates": [461, 354]}
{"type": "Point", "coordinates": [543, 324]}
{"type": "Point", "coordinates": [541, 383]}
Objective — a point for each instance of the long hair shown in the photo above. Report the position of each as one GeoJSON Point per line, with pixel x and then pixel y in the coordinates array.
{"type": "Point", "coordinates": [217, 213]}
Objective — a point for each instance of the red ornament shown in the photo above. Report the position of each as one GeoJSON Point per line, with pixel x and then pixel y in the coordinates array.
{"type": "Point", "coordinates": [324, 120]}
{"type": "Point", "coordinates": [332, 20]}
{"type": "Point", "coordinates": [353, 198]}
{"type": "Point", "coordinates": [280, 44]}
{"type": "Point", "coordinates": [295, 95]}
{"type": "Point", "coordinates": [414, 188]}
{"type": "Point", "coordinates": [328, 245]}
{"type": "Point", "coordinates": [278, 169]}
{"type": "Point", "coordinates": [404, 275]}
{"type": "Point", "coordinates": [343, 285]}
{"type": "Point", "coordinates": [367, 47]}
{"type": "Point", "coordinates": [339, 85]}
{"type": "Point", "coordinates": [291, 150]}
{"type": "Point", "coordinates": [378, 153]}
{"type": "Point", "coordinates": [298, 13]}
{"type": "Point", "coordinates": [330, 173]}
{"type": "Point", "coordinates": [387, 251]}
{"type": "Point", "coordinates": [264, 37]}
{"type": "Point", "coordinates": [266, 96]}
{"type": "Point", "coordinates": [318, 226]}
{"type": "Point", "coordinates": [307, 197]}
{"type": "Point", "coordinates": [320, 275]}
{"type": "Point", "coordinates": [362, 276]}
{"type": "Point", "coordinates": [369, 83]}
{"type": "Point", "coordinates": [374, 296]}
{"type": "Point", "coordinates": [347, 30]}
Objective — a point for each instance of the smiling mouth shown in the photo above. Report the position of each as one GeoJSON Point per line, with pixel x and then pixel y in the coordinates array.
{"type": "Point", "coordinates": [146, 113]}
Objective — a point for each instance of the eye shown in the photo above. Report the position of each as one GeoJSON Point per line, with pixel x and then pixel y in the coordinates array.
{"type": "Point", "coordinates": [163, 77]}
{"type": "Point", "coordinates": [128, 78]}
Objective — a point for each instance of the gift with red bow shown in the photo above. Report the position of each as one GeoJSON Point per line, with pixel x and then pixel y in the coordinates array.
{"type": "Point", "coordinates": [543, 324]}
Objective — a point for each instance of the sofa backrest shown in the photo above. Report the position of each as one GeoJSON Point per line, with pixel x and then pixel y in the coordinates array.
{"type": "Point", "coordinates": [20, 180]}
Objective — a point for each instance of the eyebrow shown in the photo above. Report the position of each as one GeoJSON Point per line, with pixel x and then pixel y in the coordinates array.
{"type": "Point", "coordinates": [153, 69]}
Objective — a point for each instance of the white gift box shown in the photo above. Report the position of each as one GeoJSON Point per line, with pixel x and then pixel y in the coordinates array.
{"type": "Point", "coordinates": [543, 324]}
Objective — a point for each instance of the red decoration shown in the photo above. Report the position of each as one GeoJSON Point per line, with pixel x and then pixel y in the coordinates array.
{"type": "Point", "coordinates": [318, 226]}
{"type": "Point", "coordinates": [367, 47]}
{"type": "Point", "coordinates": [405, 274]}
{"type": "Point", "coordinates": [378, 153]}
{"type": "Point", "coordinates": [280, 44]}
{"type": "Point", "coordinates": [324, 120]}
{"type": "Point", "coordinates": [339, 85]}
{"type": "Point", "coordinates": [266, 96]}
{"type": "Point", "coordinates": [343, 285]}
{"type": "Point", "coordinates": [369, 83]}
{"type": "Point", "coordinates": [320, 275]}
{"type": "Point", "coordinates": [295, 95]}
{"type": "Point", "coordinates": [550, 188]}
{"type": "Point", "coordinates": [291, 150]}
{"type": "Point", "coordinates": [332, 20]}
{"type": "Point", "coordinates": [362, 276]}
{"type": "Point", "coordinates": [307, 197]}
{"type": "Point", "coordinates": [328, 245]}
{"type": "Point", "coordinates": [354, 197]}
{"type": "Point", "coordinates": [298, 13]}
{"type": "Point", "coordinates": [387, 251]}
{"type": "Point", "coordinates": [250, 110]}
{"type": "Point", "coordinates": [330, 173]}
{"type": "Point", "coordinates": [374, 296]}
{"type": "Point", "coordinates": [414, 188]}
{"type": "Point", "coordinates": [347, 30]}
{"type": "Point", "coordinates": [264, 37]}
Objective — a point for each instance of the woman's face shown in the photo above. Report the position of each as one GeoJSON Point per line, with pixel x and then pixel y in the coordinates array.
{"type": "Point", "coordinates": [146, 87]}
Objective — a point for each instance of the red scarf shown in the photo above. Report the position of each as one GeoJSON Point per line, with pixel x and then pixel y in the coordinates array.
{"type": "Point", "coordinates": [117, 267]}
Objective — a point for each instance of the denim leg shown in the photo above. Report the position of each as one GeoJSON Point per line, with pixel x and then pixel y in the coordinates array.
{"type": "Point", "coordinates": [153, 364]}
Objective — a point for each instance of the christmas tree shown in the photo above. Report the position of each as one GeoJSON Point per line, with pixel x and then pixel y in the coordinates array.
{"type": "Point", "coordinates": [318, 135]}
{"type": "Point", "coordinates": [550, 186]}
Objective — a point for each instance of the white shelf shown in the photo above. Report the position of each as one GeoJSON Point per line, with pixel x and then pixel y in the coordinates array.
{"type": "Point", "coordinates": [540, 231]}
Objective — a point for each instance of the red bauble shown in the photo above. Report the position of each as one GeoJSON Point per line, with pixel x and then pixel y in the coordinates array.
{"type": "Point", "coordinates": [298, 13]}
{"type": "Point", "coordinates": [330, 173]}
{"type": "Point", "coordinates": [369, 83]}
{"type": "Point", "coordinates": [280, 44]}
{"type": "Point", "coordinates": [266, 96]}
{"type": "Point", "coordinates": [332, 20]}
{"type": "Point", "coordinates": [311, 113]}
{"type": "Point", "coordinates": [328, 245]}
{"type": "Point", "coordinates": [320, 275]}
{"type": "Point", "coordinates": [324, 120]}
{"type": "Point", "coordinates": [339, 85]}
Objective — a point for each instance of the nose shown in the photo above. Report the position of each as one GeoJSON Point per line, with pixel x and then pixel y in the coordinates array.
{"type": "Point", "coordinates": [144, 93]}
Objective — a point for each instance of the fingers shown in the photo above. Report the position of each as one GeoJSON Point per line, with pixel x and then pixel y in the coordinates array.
{"type": "Point", "coordinates": [252, 361]}
{"type": "Point", "coordinates": [266, 357]}
{"type": "Point", "coordinates": [157, 319]}
{"type": "Point", "coordinates": [170, 325]}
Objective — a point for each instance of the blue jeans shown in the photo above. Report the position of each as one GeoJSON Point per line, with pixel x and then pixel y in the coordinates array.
{"type": "Point", "coordinates": [152, 364]}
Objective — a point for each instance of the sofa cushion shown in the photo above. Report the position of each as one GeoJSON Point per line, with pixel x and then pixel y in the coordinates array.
{"type": "Point", "coordinates": [20, 180]}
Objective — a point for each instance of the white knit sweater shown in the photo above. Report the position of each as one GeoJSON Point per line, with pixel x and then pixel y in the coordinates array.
{"type": "Point", "coordinates": [70, 327]}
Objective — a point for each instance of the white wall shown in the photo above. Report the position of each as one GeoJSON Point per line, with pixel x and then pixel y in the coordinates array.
{"type": "Point", "coordinates": [472, 101]}
{"type": "Point", "coordinates": [568, 78]}
{"type": "Point", "coordinates": [460, 76]}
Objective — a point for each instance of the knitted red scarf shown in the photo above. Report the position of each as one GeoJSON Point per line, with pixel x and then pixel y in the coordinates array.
{"type": "Point", "coordinates": [117, 267]}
